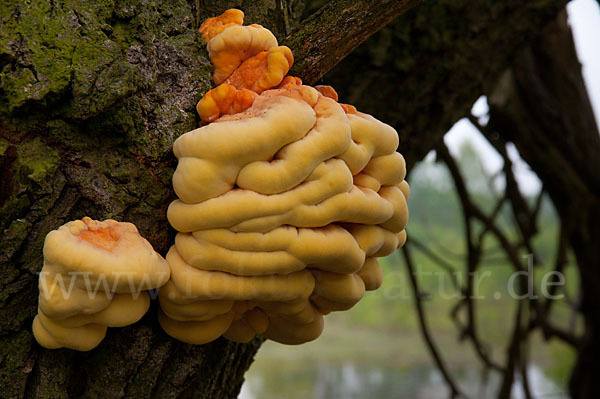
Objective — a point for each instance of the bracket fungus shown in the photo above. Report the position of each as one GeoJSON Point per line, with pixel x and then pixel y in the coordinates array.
{"type": "Point", "coordinates": [286, 199]}
{"type": "Point", "coordinates": [94, 276]}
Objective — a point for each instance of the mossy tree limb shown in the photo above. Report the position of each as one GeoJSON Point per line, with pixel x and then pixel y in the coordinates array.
{"type": "Point", "coordinates": [424, 71]}
{"type": "Point", "coordinates": [337, 28]}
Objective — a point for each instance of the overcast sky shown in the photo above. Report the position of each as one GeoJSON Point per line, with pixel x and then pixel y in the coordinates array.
{"type": "Point", "coordinates": [584, 18]}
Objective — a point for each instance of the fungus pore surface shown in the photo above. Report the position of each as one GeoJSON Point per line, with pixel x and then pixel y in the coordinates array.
{"type": "Point", "coordinates": [285, 199]}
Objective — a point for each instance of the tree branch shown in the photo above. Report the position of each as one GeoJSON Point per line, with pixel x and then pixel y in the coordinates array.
{"type": "Point", "coordinates": [455, 392]}
{"type": "Point", "coordinates": [448, 268]}
{"type": "Point", "coordinates": [337, 28]}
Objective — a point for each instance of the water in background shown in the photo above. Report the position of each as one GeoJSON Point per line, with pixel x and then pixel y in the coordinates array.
{"type": "Point", "coordinates": [375, 350]}
{"type": "Point", "coordinates": [351, 380]}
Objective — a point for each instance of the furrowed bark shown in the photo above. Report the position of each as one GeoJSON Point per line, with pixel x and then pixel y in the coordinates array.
{"type": "Point", "coordinates": [92, 95]}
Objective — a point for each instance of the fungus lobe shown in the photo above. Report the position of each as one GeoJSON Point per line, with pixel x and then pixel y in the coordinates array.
{"type": "Point", "coordinates": [95, 275]}
{"type": "Point", "coordinates": [286, 199]}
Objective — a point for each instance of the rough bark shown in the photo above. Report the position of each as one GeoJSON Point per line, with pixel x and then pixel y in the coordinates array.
{"type": "Point", "coordinates": [93, 94]}
{"type": "Point", "coordinates": [92, 97]}
{"type": "Point", "coordinates": [541, 105]}
{"type": "Point", "coordinates": [331, 33]}
{"type": "Point", "coordinates": [424, 71]}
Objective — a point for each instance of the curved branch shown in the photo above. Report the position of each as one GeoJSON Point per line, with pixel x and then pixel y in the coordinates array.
{"type": "Point", "coordinates": [337, 28]}
{"type": "Point", "coordinates": [455, 392]}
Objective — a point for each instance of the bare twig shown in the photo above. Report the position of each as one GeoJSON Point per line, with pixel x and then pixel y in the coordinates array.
{"type": "Point", "coordinates": [511, 358]}
{"type": "Point", "coordinates": [473, 255]}
{"type": "Point", "coordinates": [455, 392]}
{"type": "Point", "coordinates": [523, 217]}
{"type": "Point", "coordinates": [526, 222]}
{"type": "Point", "coordinates": [448, 268]}
{"type": "Point", "coordinates": [532, 312]}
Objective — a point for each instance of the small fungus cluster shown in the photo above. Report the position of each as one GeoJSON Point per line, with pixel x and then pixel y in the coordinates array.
{"type": "Point", "coordinates": [94, 276]}
{"type": "Point", "coordinates": [285, 200]}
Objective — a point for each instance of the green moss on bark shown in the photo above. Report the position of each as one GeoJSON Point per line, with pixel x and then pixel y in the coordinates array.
{"type": "Point", "coordinates": [29, 175]}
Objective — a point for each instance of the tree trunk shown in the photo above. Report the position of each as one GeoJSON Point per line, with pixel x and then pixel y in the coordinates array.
{"type": "Point", "coordinates": [541, 105]}
{"type": "Point", "coordinates": [424, 71]}
{"type": "Point", "coordinates": [92, 97]}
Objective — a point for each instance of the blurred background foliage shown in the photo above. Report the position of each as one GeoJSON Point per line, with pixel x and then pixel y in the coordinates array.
{"type": "Point", "coordinates": [376, 349]}
{"type": "Point", "coordinates": [517, 348]}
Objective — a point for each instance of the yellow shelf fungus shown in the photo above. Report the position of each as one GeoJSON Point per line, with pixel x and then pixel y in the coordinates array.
{"type": "Point", "coordinates": [263, 71]}
{"type": "Point", "coordinates": [286, 199]}
{"type": "Point", "coordinates": [230, 43]}
{"type": "Point", "coordinates": [94, 276]}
